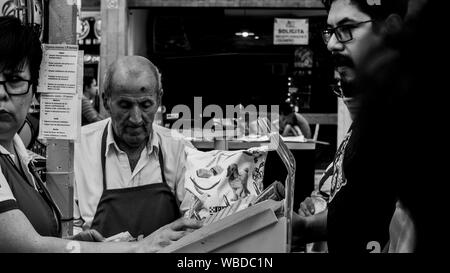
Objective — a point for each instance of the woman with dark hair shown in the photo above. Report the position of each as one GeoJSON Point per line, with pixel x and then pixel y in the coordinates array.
{"type": "Point", "coordinates": [29, 220]}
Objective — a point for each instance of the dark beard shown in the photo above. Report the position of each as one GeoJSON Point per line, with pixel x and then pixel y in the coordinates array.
{"type": "Point", "coordinates": [349, 89]}
{"type": "Point", "coordinates": [340, 60]}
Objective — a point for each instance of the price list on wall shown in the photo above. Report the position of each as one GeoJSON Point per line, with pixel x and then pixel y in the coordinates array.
{"type": "Point", "coordinates": [60, 88]}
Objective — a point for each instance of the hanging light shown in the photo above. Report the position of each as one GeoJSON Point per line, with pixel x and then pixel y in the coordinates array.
{"type": "Point", "coordinates": [245, 34]}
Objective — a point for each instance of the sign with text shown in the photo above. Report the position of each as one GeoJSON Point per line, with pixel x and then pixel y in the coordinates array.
{"type": "Point", "coordinates": [291, 31]}
{"type": "Point", "coordinates": [58, 72]}
{"type": "Point", "coordinates": [80, 76]}
{"type": "Point", "coordinates": [59, 116]}
{"type": "Point", "coordinates": [60, 102]}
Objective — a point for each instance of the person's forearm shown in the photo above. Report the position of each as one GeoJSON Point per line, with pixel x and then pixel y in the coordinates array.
{"type": "Point", "coordinates": [288, 130]}
{"type": "Point", "coordinates": [304, 125]}
{"type": "Point", "coordinates": [52, 244]}
{"type": "Point", "coordinates": [297, 131]}
{"type": "Point", "coordinates": [316, 227]}
{"type": "Point", "coordinates": [306, 131]}
{"type": "Point", "coordinates": [34, 243]}
{"type": "Point", "coordinates": [18, 235]}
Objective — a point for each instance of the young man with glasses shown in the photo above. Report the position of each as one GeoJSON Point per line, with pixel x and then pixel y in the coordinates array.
{"type": "Point", "coordinates": [357, 215]}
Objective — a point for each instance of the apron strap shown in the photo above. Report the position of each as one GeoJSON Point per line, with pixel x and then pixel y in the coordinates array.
{"type": "Point", "coordinates": [103, 158]}
{"type": "Point", "coordinates": [161, 165]}
{"type": "Point", "coordinates": [42, 189]}
{"type": "Point", "coordinates": [102, 153]}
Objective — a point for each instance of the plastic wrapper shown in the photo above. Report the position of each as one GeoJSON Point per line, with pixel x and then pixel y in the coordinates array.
{"type": "Point", "coordinates": [218, 179]}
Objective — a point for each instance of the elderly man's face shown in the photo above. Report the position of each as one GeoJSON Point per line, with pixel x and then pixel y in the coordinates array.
{"type": "Point", "coordinates": [133, 104]}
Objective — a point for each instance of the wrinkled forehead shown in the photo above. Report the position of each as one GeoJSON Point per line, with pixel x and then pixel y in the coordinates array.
{"type": "Point", "coordinates": [137, 81]}
{"type": "Point", "coordinates": [344, 11]}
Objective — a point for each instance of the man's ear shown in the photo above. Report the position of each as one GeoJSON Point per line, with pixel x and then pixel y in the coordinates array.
{"type": "Point", "coordinates": [160, 95]}
{"type": "Point", "coordinates": [392, 24]}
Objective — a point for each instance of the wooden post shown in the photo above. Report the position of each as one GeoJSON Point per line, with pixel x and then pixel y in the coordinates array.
{"type": "Point", "coordinates": [62, 30]}
{"type": "Point", "coordinates": [114, 42]}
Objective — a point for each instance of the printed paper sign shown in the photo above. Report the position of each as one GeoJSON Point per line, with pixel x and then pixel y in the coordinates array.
{"type": "Point", "coordinates": [60, 83]}
{"type": "Point", "coordinates": [58, 117]}
{"type": "Point", "coordinates": [59, 69]}
{"type": "Point", "coordinates": [291, 32]}
{"type": "Point", "coordinates": [80, 93]}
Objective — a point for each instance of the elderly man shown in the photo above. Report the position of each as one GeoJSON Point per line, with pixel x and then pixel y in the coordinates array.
{"type": "Point", "coordinates": [358, 213]}
{"type": "Point", "coordinates": [129, 172]}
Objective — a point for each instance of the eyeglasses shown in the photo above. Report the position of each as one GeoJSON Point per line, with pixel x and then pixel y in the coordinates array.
{"type": "Point", "coordinates": [343, 33]}
{"type": "Point", "coordinates": [16, 87]}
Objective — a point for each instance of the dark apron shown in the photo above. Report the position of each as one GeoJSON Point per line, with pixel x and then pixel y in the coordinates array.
{"type": "Point", "coordinates": [37, 206]}
{"type": "Point", "coordinates": [138, 210]}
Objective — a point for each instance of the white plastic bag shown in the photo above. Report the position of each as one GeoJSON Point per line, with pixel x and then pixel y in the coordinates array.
{"type": "Point", "coordinates": [217, 179]}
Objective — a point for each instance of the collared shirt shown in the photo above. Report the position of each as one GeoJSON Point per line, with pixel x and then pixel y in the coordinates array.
{"type": "Point", "coordinates": [7, 199]}
{"type": "Point", "coordinates": [88, 187]}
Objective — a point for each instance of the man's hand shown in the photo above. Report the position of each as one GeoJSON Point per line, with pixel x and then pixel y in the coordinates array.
{"type": "Point", "coordinates": [90, 235]}
{"type": "Point", "coordinates": [310, 228]}
{"type": "Point", "coordinates": [168, 234]}
{"type": "Point", "coordinates": [306, 207]}
{"type": "Point", "coordinates": [299, 231]}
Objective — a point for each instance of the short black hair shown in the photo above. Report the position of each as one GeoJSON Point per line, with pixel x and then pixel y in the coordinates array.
{"type": "Point", "coordinates": [19, 45]}
{"type": "Point", "coordinates": [88, 80]}
{"type": "Point", "coordinates": [377, 9]}
{"type": "Point", "coordinates": [286, 108]}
